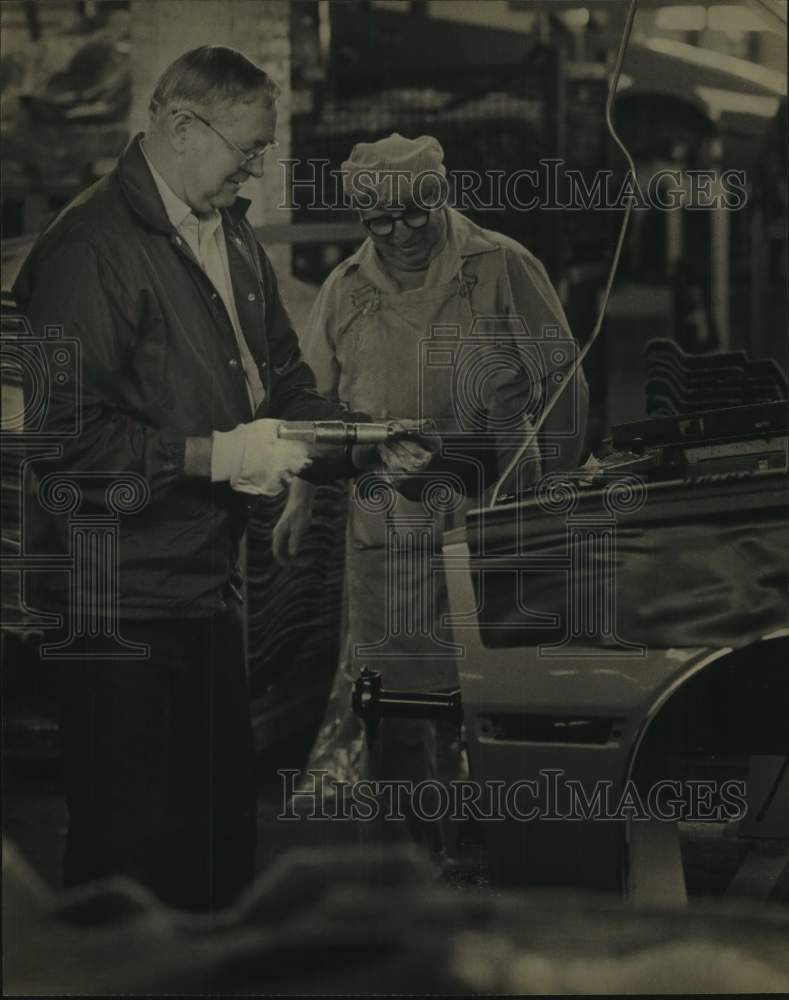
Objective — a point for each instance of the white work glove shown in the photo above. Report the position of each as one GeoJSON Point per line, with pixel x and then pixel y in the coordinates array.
{"type": "Point", "coordinates": [254, 460]}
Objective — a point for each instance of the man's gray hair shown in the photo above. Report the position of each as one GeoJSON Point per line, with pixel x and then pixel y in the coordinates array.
{"type": "Point", "coordinates": [210, 76]}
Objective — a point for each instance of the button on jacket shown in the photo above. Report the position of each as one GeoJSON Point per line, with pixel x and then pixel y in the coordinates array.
{"type": "Point", "coordinates": [160, 362]}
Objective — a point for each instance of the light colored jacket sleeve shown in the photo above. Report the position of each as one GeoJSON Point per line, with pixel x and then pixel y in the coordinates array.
{"type": "Point", "coordinates": [318, 343]}
{"type": "Point", "coordinates": [537, 304]}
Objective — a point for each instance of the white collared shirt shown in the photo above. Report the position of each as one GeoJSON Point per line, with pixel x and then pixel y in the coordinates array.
{"type": "Point", "coordinates": [205, 237]}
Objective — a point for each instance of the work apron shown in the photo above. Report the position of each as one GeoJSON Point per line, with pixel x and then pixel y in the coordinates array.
{"type": "Point", "coordinates": [381, 343]}
{"type": "Point", "coordinates": [396, 593]}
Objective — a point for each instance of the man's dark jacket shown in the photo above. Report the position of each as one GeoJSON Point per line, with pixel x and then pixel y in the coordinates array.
{"type": "Point", "coordinates": [159, 363]}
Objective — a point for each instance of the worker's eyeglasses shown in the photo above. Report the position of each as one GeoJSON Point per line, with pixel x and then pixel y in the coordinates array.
{"type": "Point", "coordinates": [246, 157]}
{"type": "Point", "coordinates": [383, 225]}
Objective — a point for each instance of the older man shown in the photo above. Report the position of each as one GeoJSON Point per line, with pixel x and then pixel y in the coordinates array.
{"type": "Point", "coordinates": [187, 355]}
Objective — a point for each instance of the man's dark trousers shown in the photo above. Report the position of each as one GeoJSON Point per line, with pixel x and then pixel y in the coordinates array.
{"type": "Point", "coordinates": [158, 763]}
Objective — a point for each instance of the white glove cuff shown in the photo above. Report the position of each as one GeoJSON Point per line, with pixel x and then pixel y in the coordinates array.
{"type": "Point", "coordinates": [227, 454]}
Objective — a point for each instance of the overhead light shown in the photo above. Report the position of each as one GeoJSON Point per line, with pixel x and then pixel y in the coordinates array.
{"type": "Point", "coordinates": [576, 19]}
{"type": "Point", "coordinates": [394, 6]}
{"type": "Point", "coordinates": [730, 17]}
{"type": "Point", "coordinates": [685, 18]}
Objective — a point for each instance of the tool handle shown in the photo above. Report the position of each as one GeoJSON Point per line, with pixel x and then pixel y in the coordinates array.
{"type": "Point", "coordinates": [337, 432]}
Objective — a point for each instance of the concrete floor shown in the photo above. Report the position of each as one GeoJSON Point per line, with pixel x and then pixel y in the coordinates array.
{"type": "Point", "coordinates": [34, 817]}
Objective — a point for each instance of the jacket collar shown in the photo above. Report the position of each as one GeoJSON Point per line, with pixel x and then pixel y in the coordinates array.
{"type": "Point", "coordinates": [140, 189]}
{"type": "Point", "coordinates": [464, 239]}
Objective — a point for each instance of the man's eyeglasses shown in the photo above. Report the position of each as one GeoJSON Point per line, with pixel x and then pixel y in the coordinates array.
{"type": "Point", "coordinates": [383, 225]}
{"type": "Point", "coordinates": [246, 157]}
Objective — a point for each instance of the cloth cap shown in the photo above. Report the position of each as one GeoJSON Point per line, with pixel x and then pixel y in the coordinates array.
{"type": "Point", "coordinates": [393, 170]}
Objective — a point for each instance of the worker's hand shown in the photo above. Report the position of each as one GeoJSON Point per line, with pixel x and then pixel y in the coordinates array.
{"type": "Point", "coordinates": [254, 460]}
{"type": "Point", "coordinates": [408, 455]}
{"type": "Point", "coordinates": [404, 458]}
{"type": "Point", "coordinates": [293, 523]}
{"type": "Point", "coordinates": [401, 457]}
